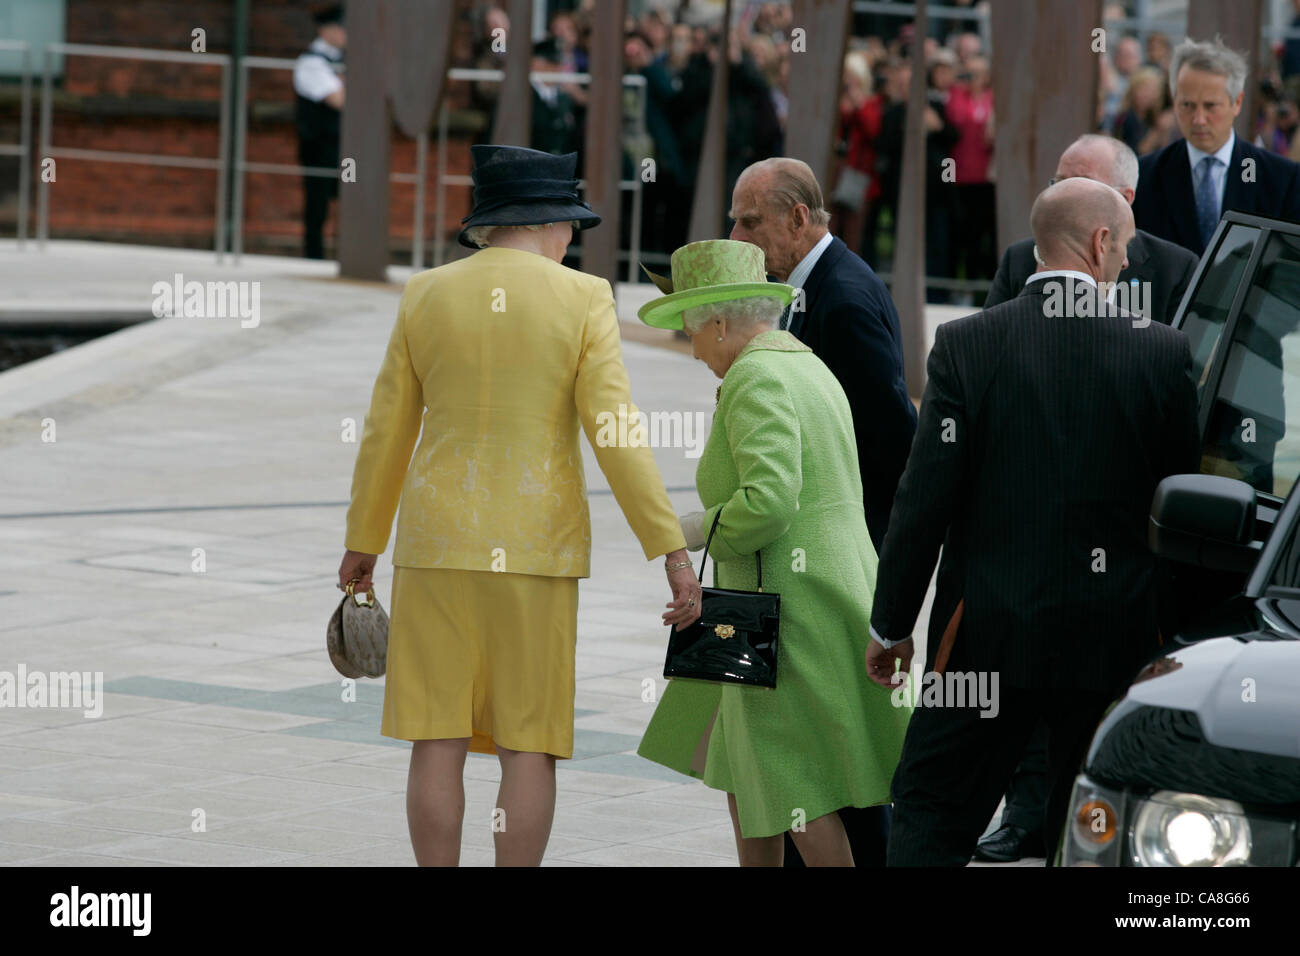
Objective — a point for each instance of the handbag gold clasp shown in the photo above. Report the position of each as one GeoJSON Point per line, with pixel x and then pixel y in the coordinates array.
{"type": "Point", "coordinates": [724, 631]}
{"type": "Point", "coordinates": [370, 595]}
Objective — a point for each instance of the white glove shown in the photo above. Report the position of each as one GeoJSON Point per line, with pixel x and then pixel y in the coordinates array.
{"type": "Point", "coordinates": [693, 530]}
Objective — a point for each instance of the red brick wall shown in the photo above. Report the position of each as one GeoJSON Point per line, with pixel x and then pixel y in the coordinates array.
{"type": "Point", "coordinates": [171, 108]}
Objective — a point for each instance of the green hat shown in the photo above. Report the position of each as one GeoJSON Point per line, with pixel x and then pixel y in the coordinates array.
{"type": "Point", "coordinates": [716, 270]}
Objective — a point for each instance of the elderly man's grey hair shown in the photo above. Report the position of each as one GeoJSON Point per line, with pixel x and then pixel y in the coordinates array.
{"type": "Point", "coordinates": [481, 236]}
{"type": "Point", "coordinates": [751, 310]}
{"type": "Point", "coordinates": [1209, 56]}
{"type": "Point", "coordinates": [1124, 162]}
{"type": "Point", "coordinates": [793, 182]}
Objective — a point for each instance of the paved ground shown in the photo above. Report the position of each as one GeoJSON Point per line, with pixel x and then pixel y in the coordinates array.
{"type": "Point", "coordinates": [220, 703]}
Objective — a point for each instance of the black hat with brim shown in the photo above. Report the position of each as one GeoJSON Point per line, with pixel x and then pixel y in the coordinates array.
{"type": "Point", "coordinates": [515, 186]}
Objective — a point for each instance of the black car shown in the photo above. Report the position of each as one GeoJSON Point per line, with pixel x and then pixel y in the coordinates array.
{"type": "Point", "coordinates": [1198, 764]}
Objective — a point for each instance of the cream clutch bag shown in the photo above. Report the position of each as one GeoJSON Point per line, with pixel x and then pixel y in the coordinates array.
{"type": "Point", "coordinates": [357, 635]}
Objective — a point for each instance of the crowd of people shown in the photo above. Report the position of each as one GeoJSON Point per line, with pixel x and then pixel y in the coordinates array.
{"type": "Point", "coordinates": [676, 55]}
{"type": "Point", "coordinates": [676, 59]}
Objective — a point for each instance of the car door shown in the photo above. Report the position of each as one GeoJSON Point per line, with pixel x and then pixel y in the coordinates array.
{"type": "Point", "coordinates": [1241, 314]}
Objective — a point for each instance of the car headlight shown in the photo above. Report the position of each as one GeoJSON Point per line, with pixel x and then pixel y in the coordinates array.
{"type": "Point", "coordinates": [1187, 829]}
{"type": "Point", "coordinates": [1110, 827]}
{"type": "Point", "coordinates": [1094, 833]}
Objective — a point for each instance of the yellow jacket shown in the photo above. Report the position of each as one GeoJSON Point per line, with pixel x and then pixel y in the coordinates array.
{"type": "Point", "coordinates": [504, 352]}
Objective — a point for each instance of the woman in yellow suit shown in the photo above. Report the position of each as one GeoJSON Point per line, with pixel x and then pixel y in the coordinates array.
{"type": "Point", "coordinates": [502, 355]}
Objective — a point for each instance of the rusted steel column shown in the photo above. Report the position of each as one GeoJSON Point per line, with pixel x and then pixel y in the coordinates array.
{"type": "Point", "coordinates": [514, 117]}
{"type": "Point", "coordinates": [815, 76]}
{"type": "Point", "coordinates": [710, 202]}
{"type": "Point", "coordinates": [398, 53]}
{"type": "Point", "coordinates": [1050, 51]}
{"type": "Point", "coordinates": [604, 156]}
{"type": "Point", "coordinates": [421, 32]}
{"type": "Point", "coordinates": [1239, 24]}
{"type": "Point", "coordinates": [908, 279]}
{"type": "Point", "coordinates": [366, 127]}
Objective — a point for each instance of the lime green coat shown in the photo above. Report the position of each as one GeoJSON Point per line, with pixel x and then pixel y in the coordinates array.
{"type": "Point", "coordinates": [781, 464]}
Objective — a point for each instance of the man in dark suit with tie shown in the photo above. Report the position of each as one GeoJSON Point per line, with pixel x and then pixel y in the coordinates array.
{"type": "Point", "coordinates": [845, 315]}
{"type": "Point", "coordinates": [1046, 424]}
{"type": "Point", "coordinates": [1162, 269]}
{"type": "Point", "coordinates": [1184, 188]}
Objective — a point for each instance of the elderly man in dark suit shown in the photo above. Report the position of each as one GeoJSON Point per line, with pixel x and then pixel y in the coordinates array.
{"type": "Point", "coordinates": [1162, 269]}
{"type": "Point", "coordinates": [1185, 187]}
{"type": "Point", "coordinates": [1046, 424]}
{"type": "Point", "coordinates": [843, 312]}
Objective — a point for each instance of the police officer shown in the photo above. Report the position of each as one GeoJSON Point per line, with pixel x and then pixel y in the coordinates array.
{"type": "Point", "coordinates": [319, 92]}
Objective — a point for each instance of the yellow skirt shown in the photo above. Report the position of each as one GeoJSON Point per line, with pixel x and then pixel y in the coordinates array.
{"type": "Point", "coordinates": [484, 655]}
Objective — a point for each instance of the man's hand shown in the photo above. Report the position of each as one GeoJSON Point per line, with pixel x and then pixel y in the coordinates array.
{"type": "Point", "coordinates": [880, 661]}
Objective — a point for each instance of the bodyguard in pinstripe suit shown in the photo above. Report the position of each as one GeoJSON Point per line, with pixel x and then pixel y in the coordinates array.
{"type": "Point", "coordinates": [1042, 437]}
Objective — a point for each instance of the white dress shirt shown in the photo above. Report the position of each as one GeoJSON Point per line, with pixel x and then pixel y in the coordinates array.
{"type": "Point", "coordinates": [1061, 274]}
{"type": "Point", "coordinates": [1219, 175]}
{"type": "Point", "coordinates": [313, 73]}
{"type": "Point", "coordinates": [799, 275]}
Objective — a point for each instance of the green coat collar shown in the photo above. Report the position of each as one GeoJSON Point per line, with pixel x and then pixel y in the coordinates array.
{"type": "Point", "coordinates": [773, 341]}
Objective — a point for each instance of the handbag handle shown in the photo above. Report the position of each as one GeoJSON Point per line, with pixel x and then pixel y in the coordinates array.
{"type": "Point", "coordinates": [705, 560]}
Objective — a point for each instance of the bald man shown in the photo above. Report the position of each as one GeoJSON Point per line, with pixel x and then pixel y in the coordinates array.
{"type": "Point", "coordinates": [1045, 427]}
{"type": "Point", "coordinates": [1161, 269]}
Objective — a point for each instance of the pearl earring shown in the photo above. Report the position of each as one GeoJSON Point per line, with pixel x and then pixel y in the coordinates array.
{"type": "Point", "coordinates": [719, 338]}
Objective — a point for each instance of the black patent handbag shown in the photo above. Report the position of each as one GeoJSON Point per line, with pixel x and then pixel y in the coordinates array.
{"type": "Point", "coordinates": [735, 638]}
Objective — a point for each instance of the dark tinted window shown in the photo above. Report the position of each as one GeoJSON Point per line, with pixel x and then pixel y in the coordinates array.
{"type": "Point", "coordinates": [1208, 308]}
{"type": "Point", "coordinates": [1254, 427]}
{"type": "Point", "coordinates": [1286, 568]}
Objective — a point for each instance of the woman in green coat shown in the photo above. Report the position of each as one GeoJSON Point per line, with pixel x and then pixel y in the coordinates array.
{"type": "Point", "coordinates": [780, 472]}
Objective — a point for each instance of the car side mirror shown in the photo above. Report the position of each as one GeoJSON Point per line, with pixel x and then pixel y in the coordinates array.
{"type": "Point", "coordinates": [1204, 520]}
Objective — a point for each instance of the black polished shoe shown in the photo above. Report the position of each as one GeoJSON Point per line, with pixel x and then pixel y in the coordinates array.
{"type": "Point", "coordinates": [1008, 844]}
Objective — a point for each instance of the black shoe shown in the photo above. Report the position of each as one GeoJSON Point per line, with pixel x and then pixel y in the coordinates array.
{"type": "Point", "coordinates": [1008, 844]}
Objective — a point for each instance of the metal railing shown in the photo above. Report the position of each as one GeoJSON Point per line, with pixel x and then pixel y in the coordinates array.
{"type": "Point", "coordinates": [420, 177]}
{"type": "Point", "coordinates": [242, 165]}
{"type": "Point", "coordinates": [237, 80]}
{"type": "Point", "coordinates": [23, 148]}
{"type": "Point", "coordinates": [48, 150]}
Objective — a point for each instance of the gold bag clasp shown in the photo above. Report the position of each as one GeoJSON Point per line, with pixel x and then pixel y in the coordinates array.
{"type": "Point", "coordinates": [724, 631]}
{"type": "Point", "coordinates": [370, 595]}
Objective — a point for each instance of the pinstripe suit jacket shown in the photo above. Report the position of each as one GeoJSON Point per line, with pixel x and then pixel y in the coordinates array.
{"type": "Point", "coordinates": [1041, 440]}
